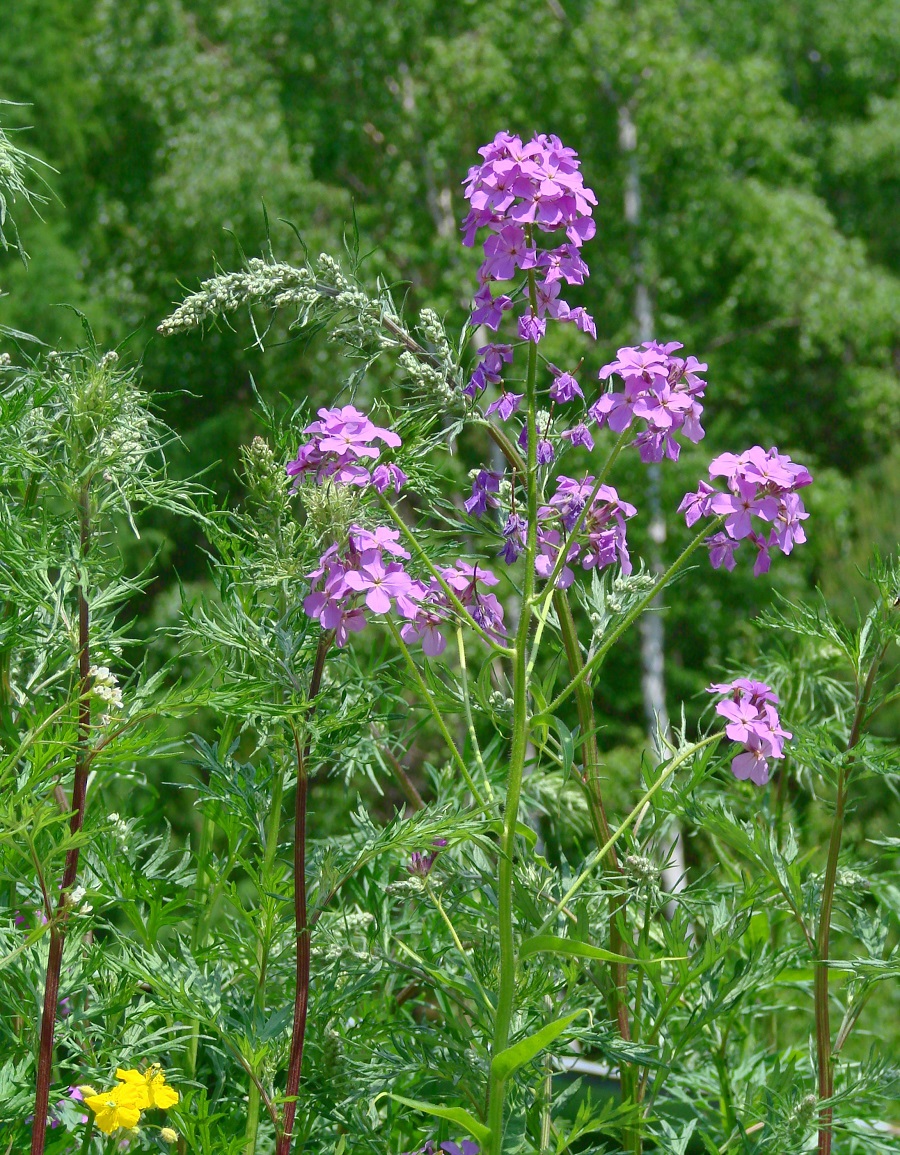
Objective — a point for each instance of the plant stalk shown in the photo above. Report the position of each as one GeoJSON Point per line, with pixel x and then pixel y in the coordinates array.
{"type": "Point", "coordinates": [824, 1056]}
{"type": "Point", "coordinates": [301, 994]}
{"type": "Point", "coordinates": [518, 752]}
{"type": "Point", "coordinates": [70, 870]}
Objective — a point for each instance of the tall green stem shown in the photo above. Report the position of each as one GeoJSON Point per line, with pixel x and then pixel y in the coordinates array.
{"type": "Point", "coordinates": [824, 1057]}
{"type": "Point", "coordinates": [508, 962]}
{"type": "Point", "coordinates": [59, 918]}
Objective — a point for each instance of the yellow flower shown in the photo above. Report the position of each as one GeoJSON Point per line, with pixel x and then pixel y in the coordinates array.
{"type": "Point", "coordinates": [150, 1086]}
{"type": "Point", "coordinates": [168, 1134]}
{"type": "Point", "coordinates": [120, 1107]}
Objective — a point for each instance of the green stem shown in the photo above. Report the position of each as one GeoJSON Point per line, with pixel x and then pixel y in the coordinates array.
{"type": "Point", "coordinates": [439, 906]}
{"type": "Point", "coordinates": [436, 714]}
{"type": "Point", "coordinates": [519, 746]}
{"type": "Point", "coordinates": [824, 1056]}
{"type": "Point", "coordinates": [467, 703]}
{"type": "Point", "coordinates": [598, 855]}
{"type": "Point", "coordinates": [590, 666]}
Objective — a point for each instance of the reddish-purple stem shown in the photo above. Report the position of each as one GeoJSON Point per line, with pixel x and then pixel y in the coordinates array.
{"type": "Point", "coordinates": [301, 994]}
{"type": "Point", "coordinates": [70, 871]}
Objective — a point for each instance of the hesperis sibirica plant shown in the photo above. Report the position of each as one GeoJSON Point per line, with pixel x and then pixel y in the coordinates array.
{"type": "Point", "coordinates": [486, 959]}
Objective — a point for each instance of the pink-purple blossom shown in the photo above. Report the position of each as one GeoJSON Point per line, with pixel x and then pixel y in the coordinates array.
{"type": "Point", "coordinates": [339, 448]}
{"type": "Point", "coordinates": [752, 720]}
{"type": "Point", "coordinates": [661, 390]}
{"type": "Point", "coordinates": [761, 489]}
{"type": "Point", "coordinates": [516, 192]}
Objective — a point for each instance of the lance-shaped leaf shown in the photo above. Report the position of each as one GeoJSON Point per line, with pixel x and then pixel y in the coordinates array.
{"type": "Point", "coordinates": [458, 1115]}
{"type": "Point", "coordinates": [508, 1061]}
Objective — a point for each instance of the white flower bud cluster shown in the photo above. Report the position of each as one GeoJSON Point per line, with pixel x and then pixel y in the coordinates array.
{"type": "Point", "coordinates": [105, 686]}
{"type": "Point", "coordinates": [433, 329]}
{"type": "Point", "coordinates": [278, 283]}
{"type": "Point", "coordinates": [5, 360]}
{"type": "Point", "coordinates": [109, 360]}
{"type": "Point", "coordinates": [429, 380]}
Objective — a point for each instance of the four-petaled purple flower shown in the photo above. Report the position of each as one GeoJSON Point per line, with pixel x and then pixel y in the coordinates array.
{"type": "Point", "coordinates": [341, 441]}
{"type": "Point", "coordinates": [517, 191]}
{"type": "Point", "coordinates": [761, 485]}
{"type": "Point", "coordinates": [660, 389]}
{"type": "Point", "coordinates": [752, 720]}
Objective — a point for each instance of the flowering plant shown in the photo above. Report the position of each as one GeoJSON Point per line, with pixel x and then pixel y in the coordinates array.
{"type": "Point", "coordinates": [432, 979]}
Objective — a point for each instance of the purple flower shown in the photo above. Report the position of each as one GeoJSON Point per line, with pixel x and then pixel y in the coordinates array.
{"type": "Point", "coordinates": [486, 483]}
{"type": "Point", "coordinates": [489, 309]}
{"type": "Point", "coordinates": [506, 405]}
{"type": "Point", "coordinates": [514, 535]}
{"type": "Point", "coordinates": [341, 439]}
{"type": "Point", "coordinates": [661, 390]}
{"type": "Point", "coordinates": [579, 435]}
{"type": "Point", "coordinates": [532, 327]}
{"type": "Point", "coordinates": [537, 185]}
{"type": "Point", "coordinates": [752, 720]}
{"type": "Point", "coordinates": [761, 485]}
{"type": "Point", "coordinates": [565, 388]}
{"type": "Point", "coordinates": [379, 582]}
{"type": "Point", "coordinates": [421, 862]}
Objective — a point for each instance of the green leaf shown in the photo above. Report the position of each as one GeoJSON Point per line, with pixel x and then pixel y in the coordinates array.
{"type": "Point", "coordinates": [458, 1115]}
{"type": "Point", "coordinates": [525, 1050]}
{"type": "Point", "coordinates": [551, 944]}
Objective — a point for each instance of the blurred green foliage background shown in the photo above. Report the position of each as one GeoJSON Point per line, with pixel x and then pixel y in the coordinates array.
{"type": "Point", "coordinates": [766, 147]}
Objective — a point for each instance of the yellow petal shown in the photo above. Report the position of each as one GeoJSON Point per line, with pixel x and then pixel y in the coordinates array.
{"type": "Point", "coordinates": [164, 1097]}
{"type": "Point", "coordinates": [131, 1076]}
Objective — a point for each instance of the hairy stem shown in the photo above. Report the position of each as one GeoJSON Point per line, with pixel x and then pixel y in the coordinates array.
{"type": "Point", "coordinates": [70, 870]}
{"type": "Point", "coordinates": [519, 747]}
{"type": "Point", "coordinates": [301, 994]}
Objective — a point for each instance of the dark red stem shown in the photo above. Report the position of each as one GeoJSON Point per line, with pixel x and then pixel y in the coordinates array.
{"type": "Point", "coordinates": [301, 994]}
{"type": "Point", "coordinates": [70, 871]}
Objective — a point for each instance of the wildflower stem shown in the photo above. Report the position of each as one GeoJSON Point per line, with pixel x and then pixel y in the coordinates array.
{"type": "Point", "coordinates": [467, 703]}
{"type": "Point", "coordinates": [70, 870]}
{"type": "Point", "coordinates": [301, 994]}
{"type": "Point", "coordinates": [590, 666]}
{"type": "Point", "coordinates": [824, 1055]}
{"type": "Point", "coordinates": [508, 962]}
{"type": "Point", "coordinates": [598, 855]}
{"type": "Point", "coordinates": [439, 906]}
{"type": "Point", "coordinates": [436, 714]}
{"type": "Point", "coordinates": [263, 943]}
{"type": "Point", "coordinates": [591, 783]}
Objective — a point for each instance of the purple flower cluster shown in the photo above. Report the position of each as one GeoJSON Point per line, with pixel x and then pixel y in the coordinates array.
{"type": "Point", "coordinates": [601, 538]}
{"type": "Point", "coordinates": [761, 485]}
{"type": "Point", "coordinates": [466, 1147]}
{"type": "Point", "coordinates": [341, 441]}
{"type": "Point", "coordinates": [367, 575]}
{"type": "Point", "coordinates": [517, 190]}
{"type": "Point", "coordinates": [661, 390]}
{"type": "Point", "coordinates": [752, 720]}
